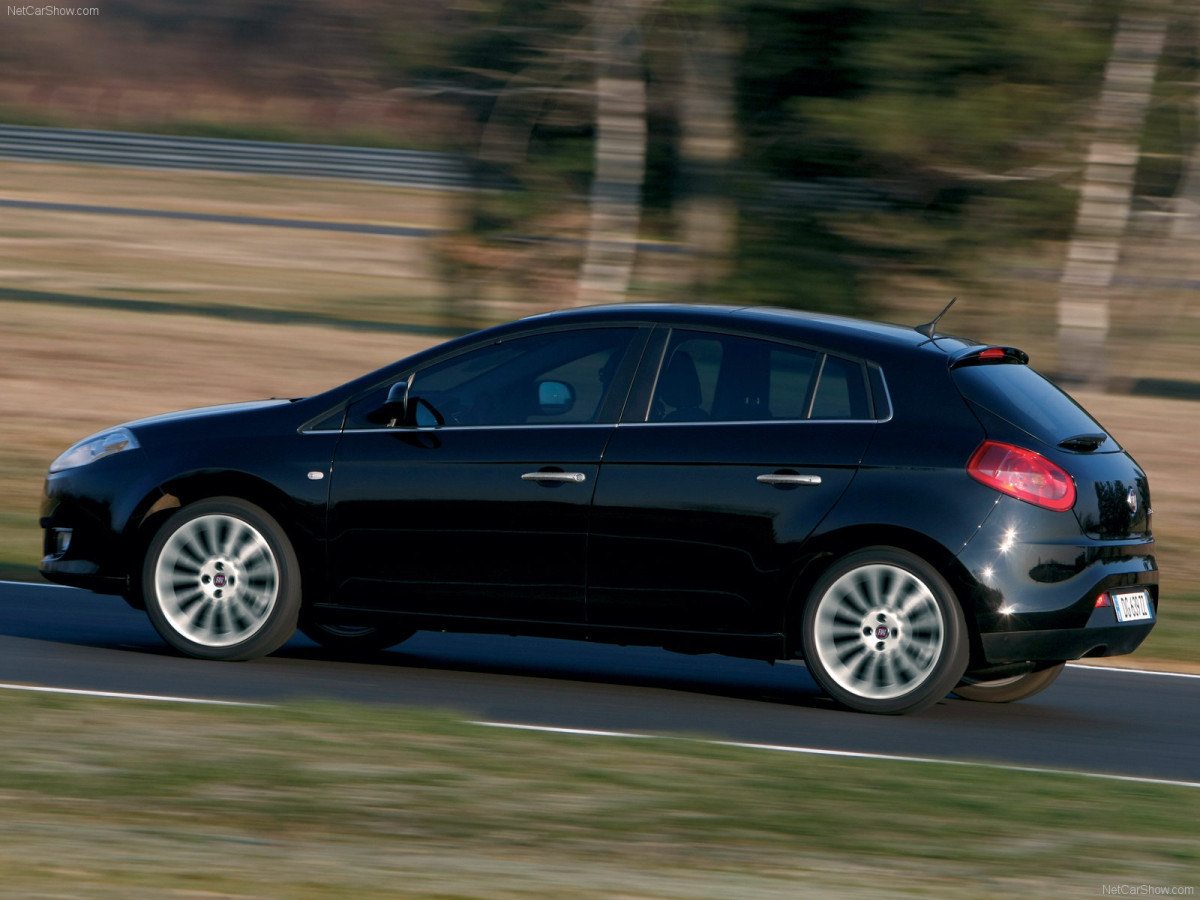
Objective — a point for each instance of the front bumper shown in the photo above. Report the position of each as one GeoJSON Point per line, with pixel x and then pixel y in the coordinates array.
{"type": "Point", "coordinates": [67, 567]}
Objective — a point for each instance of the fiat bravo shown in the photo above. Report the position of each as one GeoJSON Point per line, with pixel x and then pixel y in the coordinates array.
{"type": "Point", "coordinates": [910, 513]}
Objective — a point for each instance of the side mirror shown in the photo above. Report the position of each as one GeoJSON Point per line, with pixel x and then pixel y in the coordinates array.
{"type": "Point", "coordinates": [554, 398]}
{"type": "Point", "coordinates": [395, 409]}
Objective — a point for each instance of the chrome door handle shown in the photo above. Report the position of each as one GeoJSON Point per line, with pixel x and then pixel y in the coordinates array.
{"type": "Point", "coordinates": [782, 478]}
{"type": "Point", "coordinates": [554, 476]}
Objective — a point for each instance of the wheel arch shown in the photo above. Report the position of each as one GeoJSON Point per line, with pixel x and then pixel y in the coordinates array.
{"type": "Point", "coordinates": [826, 550]}
{"type": "Point", "coordinates": [301, 526]}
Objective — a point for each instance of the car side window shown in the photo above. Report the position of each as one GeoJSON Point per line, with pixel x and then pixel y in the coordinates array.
{"type": "Point", "coordinates": [688, 378]}
{"type": "Point", "coordinates": [841, 392]}
{"type": "Point", "coordinates": [550, 378]}
{"type": "Point", "coordinates": [730, 378]}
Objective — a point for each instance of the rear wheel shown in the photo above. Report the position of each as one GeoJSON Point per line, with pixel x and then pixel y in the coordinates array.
{"type": "Point", "coordinates": [362, 638]}
{"type": "Point", "coordinates": [221, 581]}
{"type": "Point", "coordinates": [884, 633]}
{"type": "Point", "coordinates": [1006, 690]}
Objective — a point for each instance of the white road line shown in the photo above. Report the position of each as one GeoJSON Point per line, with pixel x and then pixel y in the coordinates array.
{"type": "Point", "coordinates": [589, 732]}
{"type": "Point", "coordinates": [119, 696]}
{"type": "Point", "coordinates": [550, 729]}
{"type": "Point", "coordinates": [1132, 671]}
{"type": "Point", "coordinates": [852, 754]}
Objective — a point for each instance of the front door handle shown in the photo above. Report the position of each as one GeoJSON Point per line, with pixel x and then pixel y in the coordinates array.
{"type": "Point", "coordinates": [575, 477]}
{"type": "Point", "coordinates": [788, 478]}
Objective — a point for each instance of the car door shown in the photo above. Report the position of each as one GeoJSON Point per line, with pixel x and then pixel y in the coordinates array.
{"type": "Point", "coordinates": [475, 503]}
{"type": "Point", "coordinates": [708, 491]}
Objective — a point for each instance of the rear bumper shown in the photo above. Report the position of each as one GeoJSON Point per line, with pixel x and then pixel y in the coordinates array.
{"type": "Point", "coordinates": [1033, 581]}
{"type": "Point", "coordinates": [1102, 636]}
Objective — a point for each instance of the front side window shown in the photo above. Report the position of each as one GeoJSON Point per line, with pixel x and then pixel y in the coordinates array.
{"type": "Point", "coordinates": [551, 378]}
{"type": "Point", "coordinates": [731, 378]}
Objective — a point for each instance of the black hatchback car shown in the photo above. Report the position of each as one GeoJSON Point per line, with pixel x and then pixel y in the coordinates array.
{"type": "Point", "coordinates": [912, 514]}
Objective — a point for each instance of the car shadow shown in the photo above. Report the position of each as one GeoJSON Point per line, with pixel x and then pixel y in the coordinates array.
{"type": "Point", "coordinates": [598, 664]}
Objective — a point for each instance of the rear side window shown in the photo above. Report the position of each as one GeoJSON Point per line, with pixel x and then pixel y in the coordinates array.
{"type": "Point", "coordinates": [708, 377]}
{"type": "Point", "coordinates": [841, 392]}
{"type": "Point", "coordinates": [1021, 396]}
{"type": "Point", "coordinates": [730, 378]}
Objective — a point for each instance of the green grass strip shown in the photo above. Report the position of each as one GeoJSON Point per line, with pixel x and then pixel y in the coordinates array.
{"type": "Point", "coordinates": [109, 799]}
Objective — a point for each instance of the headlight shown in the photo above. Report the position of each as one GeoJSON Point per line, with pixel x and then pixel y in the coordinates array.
{"type": "Point", "coordinates": [96, 447]}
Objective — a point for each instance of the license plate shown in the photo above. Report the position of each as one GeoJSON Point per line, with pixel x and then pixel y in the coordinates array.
{"type": "Point", "coordinates": [1132, 606]}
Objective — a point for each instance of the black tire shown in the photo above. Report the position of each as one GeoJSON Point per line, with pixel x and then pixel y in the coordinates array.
{"type": "Point", "coordinates": [221, 581]}
{"type": "Point", "coordinates": [355, 638]}
{"type": "Point", "coordinates": [1006, 690]}
{"type": "Point", "coordinates": [884, 633]}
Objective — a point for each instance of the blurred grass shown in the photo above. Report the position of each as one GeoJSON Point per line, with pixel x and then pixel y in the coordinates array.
{"type": "Point", "coordinates": [130, 801]}
{"type": "Point", "coordinates": [1176, 635]}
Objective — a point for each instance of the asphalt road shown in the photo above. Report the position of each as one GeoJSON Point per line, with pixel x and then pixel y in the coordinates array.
{"type": "Point", "coordinates": [1103, 721]}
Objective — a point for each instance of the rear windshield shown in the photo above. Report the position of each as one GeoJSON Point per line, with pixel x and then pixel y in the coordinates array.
{"type": "Point", "coordinates": [1021, 396]}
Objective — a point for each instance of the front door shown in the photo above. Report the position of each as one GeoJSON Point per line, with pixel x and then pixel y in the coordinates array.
{"type": "Point", "coordinates": [478, 505]}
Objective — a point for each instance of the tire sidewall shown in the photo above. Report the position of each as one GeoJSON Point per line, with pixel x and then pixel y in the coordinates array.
{"type": "Point", "coordinates": [955, 651]}
{"type": "Point", "coordinates": [279, 625]}
{"type": "Point", "coordinates": [1007, 690]}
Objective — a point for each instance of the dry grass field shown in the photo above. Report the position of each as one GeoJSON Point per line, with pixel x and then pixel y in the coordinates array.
{"type": "Point", "coordinates": [361, 276]}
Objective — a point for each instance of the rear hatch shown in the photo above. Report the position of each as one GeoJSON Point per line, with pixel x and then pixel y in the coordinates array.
{"type": "Point", "coordinates": [1016, 404]}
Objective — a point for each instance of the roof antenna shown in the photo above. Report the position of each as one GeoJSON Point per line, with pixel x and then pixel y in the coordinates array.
{"type": "Point", "coordinates": [928, 327]}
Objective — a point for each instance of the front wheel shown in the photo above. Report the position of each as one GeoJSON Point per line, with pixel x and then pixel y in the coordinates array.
{"type": "Point", "coordinates": [1006, 690]}
{"type": "Point", "coordinates": [221, 581]}
{"type": "Point", "coordinates": [884, 633]}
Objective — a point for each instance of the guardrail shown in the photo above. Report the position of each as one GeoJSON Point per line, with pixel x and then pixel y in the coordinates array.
{"type": "Point", "coordinates": [411, 168]}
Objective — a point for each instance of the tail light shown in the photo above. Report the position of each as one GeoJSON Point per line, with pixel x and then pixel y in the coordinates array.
{"type": "Point", "coordinates": [1022, 474]}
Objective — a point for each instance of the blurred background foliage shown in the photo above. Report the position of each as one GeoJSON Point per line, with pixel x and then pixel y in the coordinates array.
{"type": "Point", "coordinates": [860, 137]}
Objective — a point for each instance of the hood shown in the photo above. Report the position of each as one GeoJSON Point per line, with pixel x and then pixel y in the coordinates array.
{"type": "Point", "coordinates": [206, 411]}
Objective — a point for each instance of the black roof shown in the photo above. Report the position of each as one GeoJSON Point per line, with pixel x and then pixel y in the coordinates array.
{"type": "Point", "coordinates": [835, 332]}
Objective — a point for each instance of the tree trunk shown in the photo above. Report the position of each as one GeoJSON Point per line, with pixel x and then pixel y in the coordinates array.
{"type": "Point", "coordinates": [615, 203]}
{"type": "Point", "coordinates": [708, 215]}
{"type": "Point", "coordinates": [1106, 196]}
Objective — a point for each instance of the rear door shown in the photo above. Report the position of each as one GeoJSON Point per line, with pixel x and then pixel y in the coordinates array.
{"type": "Point", "coordinates": [708, 491]}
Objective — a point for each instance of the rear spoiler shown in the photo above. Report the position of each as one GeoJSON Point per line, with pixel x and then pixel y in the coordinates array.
{"type": "Point", "coordinates": [989, 355]}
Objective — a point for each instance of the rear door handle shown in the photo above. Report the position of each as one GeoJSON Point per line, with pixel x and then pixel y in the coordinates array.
{"type": "Point", "coordinates": [575, 477]}
{"type": "Point", "coordinates": [788, 478]}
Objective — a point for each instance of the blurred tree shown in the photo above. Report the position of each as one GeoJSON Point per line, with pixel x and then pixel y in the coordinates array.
{"type": "Point", "coordinates": [883, 134]}
{"type": "Point", "coordinates": [615, 198]}
{"type": "Point", "coordinates": [802, 150]}
{"type": "Point", "coordinates": [1106, 195]}
{"type": "Point", "coordinates": [709, 142]}
{"type": "Point", "coordinates": [857, 138]}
